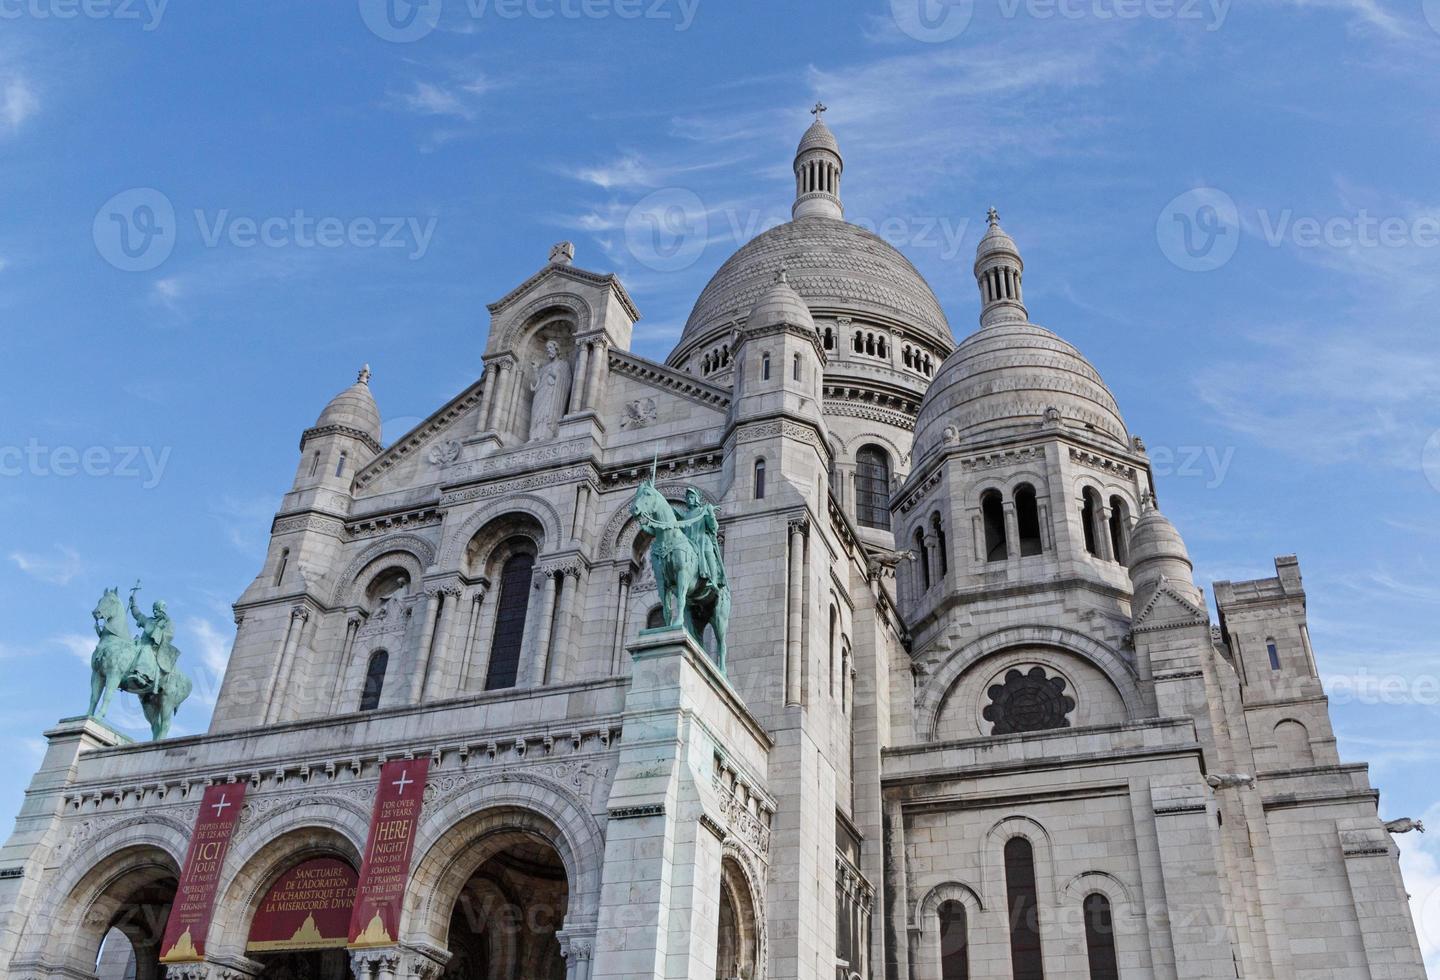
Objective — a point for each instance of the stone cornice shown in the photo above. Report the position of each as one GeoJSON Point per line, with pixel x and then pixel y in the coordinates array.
{"type": "Point", "coordinates": [420, 435]}
{"type": "Point", "coordinates": [361, 436]}
{"type": "Point", "coordinates": [608, 280]}
{"type": "Point", "coordinates": [668, 378]}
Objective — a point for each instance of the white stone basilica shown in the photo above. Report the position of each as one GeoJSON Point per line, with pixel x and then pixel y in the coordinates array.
{"type": "Point", "coordinates": [977, 723]}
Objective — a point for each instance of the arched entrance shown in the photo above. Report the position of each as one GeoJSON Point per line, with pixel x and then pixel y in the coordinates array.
{"type": "Point", "coordinates": [504, 923]}
{"type": "Point", "coordinates": [300, 927]}
{"type": "Point", "coordinates": [737, 943]}
{"type": "Point", "coordinates": [114, 919]}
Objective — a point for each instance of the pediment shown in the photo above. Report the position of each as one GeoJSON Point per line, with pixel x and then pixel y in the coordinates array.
{"type": "Point", "coordinates": [1168, 608]}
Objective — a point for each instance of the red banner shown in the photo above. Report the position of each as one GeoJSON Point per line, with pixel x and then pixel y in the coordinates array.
{"type": "Point", "coordinates": [189, 920]}
{"type": "Point", "coordinates": [376, 919]}
{"type": "Point", "coordinates": [308, 907]}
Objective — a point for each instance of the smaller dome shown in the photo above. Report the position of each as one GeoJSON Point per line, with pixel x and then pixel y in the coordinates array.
{"type": "Point", "coordinates": [818, 137]}
{"type": "Point", "coordinates": [1158, 553]}
{"type": "Point", "coordinates": [995, 239]}
{"type": "Point", "coordinates": [780, 304]}
{"type": "Point", "coordinates": [354, 408]}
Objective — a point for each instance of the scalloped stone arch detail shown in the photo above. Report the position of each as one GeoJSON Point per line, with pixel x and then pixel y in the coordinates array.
{"type": "Point", "coordinates": [123, 848]}
{"type": "Point", "coordinates": [753, 880]}
{"type": "Point", "coordinates": [455, 824]}
{"type": "Point", "coordinates": [519, 320]}
{"type": "Point", "coordinates": [539, 508]}
{"type": "Point", "coordinates": [621, 528]}
{"type": "Point", "coordinates": [930, 700]}
{"type": "Point", "coordinates": [419, 549]}
{"type": "Point", "coordinates": [297, 833]}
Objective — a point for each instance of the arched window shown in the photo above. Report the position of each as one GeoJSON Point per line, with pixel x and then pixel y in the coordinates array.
{"type": "Point", "coordinates": [340, 465]}
{"type": "Point", "coordinates": [938, 526]}
{"type": "Point", "coordinates": [760, 479]}
{"type": "Point", "coordinates": [1120, 530]}
{"type": "Point", "coordinates": [1023, 910]}
{"type": "Point", "coordinates": [834, 615]}
{"type": "Point", "coordinates": [954, 941]}
{"type": "Point", "coordinates": [881, 349]}
{"type": "Point", "coordinates": [1090, 519]}
{"type": "Point", "coordinates": [992, 512]}
{"type": "Point", "coordinates": [1273, 651]}
{"type": "Point", "coordinates": [870, 343]}
{"type": "Point", "coordinates": [315, 463]}
{"type": "Point", "coordinates": [922, 555]}
{"type": "Point", "coordinates": [510, 621]}
{"type": "Point", "coordinates": [859, 342]}
{"type": "Point", "coordinates": [829, 339]}
{"type": "Point", "coordinates": [764, 367]}
{"type": "Point", "coordinates": [872, 487]}
{"type": "Point", "coordinates": [655, 618]}
{"type": "Point", "coordinates": [795, 368]}
{"type": "Point", "coordinates": [906, 357]}
{"type": "Point", "coordinates": [1100, 938]}
{"type": "Point", "coordinates": [284, 561]}
{"type": "Point", "coordinates": [1027, 520]}
{"type": "Point", "coordinates": [374, 680]}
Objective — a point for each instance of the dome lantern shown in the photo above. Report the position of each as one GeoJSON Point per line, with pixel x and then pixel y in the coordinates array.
{"type": "Point", "coordinates": [998, 271]}
{"type": "Point", "coordinates": [818, 166]}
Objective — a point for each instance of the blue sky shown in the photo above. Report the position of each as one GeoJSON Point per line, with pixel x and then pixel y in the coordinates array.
{"type": "Point", "coordinates": [1229, 207]}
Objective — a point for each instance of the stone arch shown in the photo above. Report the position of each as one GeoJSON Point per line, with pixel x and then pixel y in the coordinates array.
{"type": "Point", "coordinates": [992, 858]}
{"type": "Point", "coordinates": [622, 528]}
{"type": "Point", "coordinates": [538, 508]}
{"type": "Point", "coordinates": [1292, 743]}
{"type": "Point", "coordinates": [79, 908]}
{"type": "Point", "coordinates": [738, 871]}
{"type": "Point", "coordinates": [322, 826]}
{"type": "Point", "coordinates": [946, 891]}
{"type": "Point", "coordinates": [410, 549]}
{"type": "Point", "coordinates": [463, 829]}
{"type": "Point", "coordinates": [1107, 884]}
{"type": "Point", "coordinates": [521, 321]}
{"type": "Point", "coordinates": [925, 923]}
{"type": "Point", "coordinates": [930, 700]}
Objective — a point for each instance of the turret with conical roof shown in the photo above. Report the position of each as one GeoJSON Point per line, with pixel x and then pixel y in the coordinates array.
{"type": "Point", "coordinates": [343, 439]}
{"type": "Point", "coordinates": [1158, 556]}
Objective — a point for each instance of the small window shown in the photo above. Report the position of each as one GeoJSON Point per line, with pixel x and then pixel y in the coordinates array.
{"type": "Point", "coordinates": [1100, 938]}
{"type": "Point", "coordinates": [1120, 530]}
{"type": "Point", "coordinates": [1274, 652]}
{"type": "Point", "coordinates": [1024, 910]}
{"type": "Point", "coordinates": [764, 367]}
{"type": "Point", "coordinates": [859, 342]}
{"type": "Point", "coordinates": [315, 464]}
{"type": "Point", "coordinates": [340, 465]}
{"type": "Point", "coordinates": [284, 561]}
{"type": "Point", "coordinates": [510, 621]}
{"type": "Point", "coordinates": [881, 349]}
{"type": "Point", "coordinates": [834, 615]}
{"type": "Point", "coordinates": [954, 943]}
{"type": "Point", "coordinates": [374, 680]}
{"type": "Point", "coordinates": [655, 618]}
{"type": "Point", "coordinates": [759, 479]}
{"type": "Point", "coordinates": [992, 511]}
{"type": "Point", "coordinates": [1090, 518]}
{"type": "Point", "coordinates": [795, 368]}
{"type": "Point", "coordinates": [829, 339]}
{"type": "Point", "coordinates": [1027, 519]}
{"type": "Point", "coordinates": [922, 552]}
{"type": "Point", "coordinates": [938, 526]}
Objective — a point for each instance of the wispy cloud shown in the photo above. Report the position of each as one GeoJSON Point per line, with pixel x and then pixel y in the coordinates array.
{"type": "Point", "coordinates": [18, 102]}
{"type": "Point", "coordinates": [59, 569]}
{"type": "Point", "coordinates": [79, 645]}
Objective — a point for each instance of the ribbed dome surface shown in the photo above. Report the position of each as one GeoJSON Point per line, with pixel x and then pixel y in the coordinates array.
{"type": "Point", "coordinates": [833, 265]}
{"type": "Point", "coordinates": [780, 304]}
{"type": "Point", "coordinates": [818, 136]}
{"type": "Point", "coordinates": [1001, 380]}
{"type": "Point", "coordinates": [1153, 536]}
{"type": "Point", "coordinates": [353, 408]}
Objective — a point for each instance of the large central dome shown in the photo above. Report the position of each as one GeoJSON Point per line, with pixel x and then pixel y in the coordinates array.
{"type": "Point", "coordinates": [837, 267]}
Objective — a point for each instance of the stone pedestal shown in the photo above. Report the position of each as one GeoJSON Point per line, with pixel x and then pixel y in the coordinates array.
{"type": "Point", "coordinates": [660, 900]}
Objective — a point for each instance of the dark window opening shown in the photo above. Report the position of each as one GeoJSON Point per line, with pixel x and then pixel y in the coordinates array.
{"type": "Point", "coordinates": [1089, 515]}
{"type": "Point", "coordinates": [940, 548]}
{"type": "Point", "coordinates": [954, 943]}
{"type": "Point", "coordinates": [759, 479]}
{"type": "Point", "coordinates": [1119, 530]}
{"type": "Point", "coordinates": [374, 680]}
{"type": "Point", "coordinates": [1100, 938]}
{"type": "Point", "coordinates": [992, 511]}
{"type": "Point", "coordinates": [340, 466]}
{"type": "Point", "coordinates": [655, 618]}
{"type": "Point", "coordinates": [764, 367]}
{"type": "Point", "coordinates": [510, 622]}
{"type": "Point", "coordinates": [923, 554]}
{"type": "Point", "coordinates": [1274, 652]}
{"type": "Point", "coordinates": [1027, 519]}
{"type": "Point", "coordinates": [872, 487]}
{"type": "Point", "coordinates": [1023, 909]}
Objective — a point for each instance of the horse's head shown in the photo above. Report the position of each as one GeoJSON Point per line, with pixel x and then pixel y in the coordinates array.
{"type": "Point", "coordinates": [649, 502]}
{"type": "Point", "coordinates": [109, 610]}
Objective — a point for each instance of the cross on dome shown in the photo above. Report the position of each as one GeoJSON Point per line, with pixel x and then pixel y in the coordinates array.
{"type": "Point", "coordinates": [364, 376]}
{"type": "Point", "coordinates": [992, 217]}
{"type": "Point", "coordinates": [819, 111]}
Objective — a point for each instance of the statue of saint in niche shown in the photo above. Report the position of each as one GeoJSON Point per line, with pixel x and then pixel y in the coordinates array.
{"type": "Point", "coordinates": [550, 383]}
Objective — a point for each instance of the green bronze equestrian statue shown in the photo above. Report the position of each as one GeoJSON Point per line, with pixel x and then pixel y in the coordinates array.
{"type": "Point", "coordinates": [144, 665]}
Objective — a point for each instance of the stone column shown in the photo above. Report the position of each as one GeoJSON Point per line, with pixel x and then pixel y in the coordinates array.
{"type": "Point", "coordinates": [337, 697]}
{"type": "Point", "coordinates": [495, 399]}
{"type": "Point", "coordinates": [577, 383]}
{"type": "Point", "coordinates": [599, 359]}
{"type": "Point", "coordinates": [622, 609]}
{"type": "Point", "coordinates": [1102, 534]}
{"type": "Point", "coordinates": [298, 617]}
{"type": "Point", "coordinates": [444, 624]}
{"type": "Point", "coordinates": [794, 618]}
{"type": "Point", "coordinates": [577, 951]}
{"type": "Point", "coordinates": [564, 621]}
{"type": "Point", "coordinates": [375, 964]}
{"type": "Point", "coordinates": [487, 398]}
{"type": "Point", "coordinates": [467, 652]}
{"type": "Point", "coordinates": [1012, 529]}
{"type": "Point", "coordinates": [544, 626]}
{"type": "Point", "coordinates": [433, 600]}
{"type": "Point", "coordinates": [932, 548]}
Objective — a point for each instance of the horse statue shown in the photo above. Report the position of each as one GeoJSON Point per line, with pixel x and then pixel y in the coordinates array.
{"type": "Point", "coordinates": [144, 666]}
{"type": "Point", "coordinates": [685, 557]}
